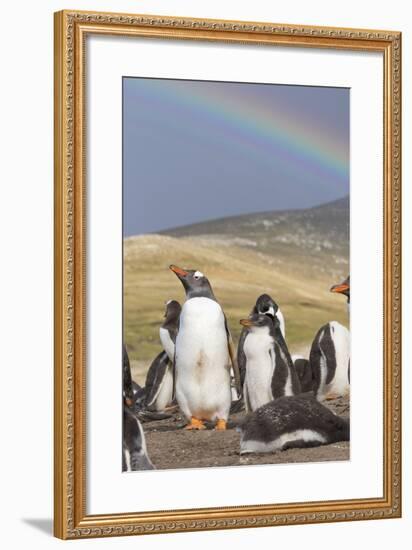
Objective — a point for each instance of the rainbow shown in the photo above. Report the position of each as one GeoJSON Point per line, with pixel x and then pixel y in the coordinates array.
{"type": "Point", "coordinates": [263, 128]}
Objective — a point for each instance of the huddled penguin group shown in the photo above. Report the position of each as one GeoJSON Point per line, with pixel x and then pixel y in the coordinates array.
{"type": "Point", "coordinates": [199, 373]}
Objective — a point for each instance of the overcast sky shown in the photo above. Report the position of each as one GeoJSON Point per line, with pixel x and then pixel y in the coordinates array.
{"type": "Point", "coordinates": [196, 150]}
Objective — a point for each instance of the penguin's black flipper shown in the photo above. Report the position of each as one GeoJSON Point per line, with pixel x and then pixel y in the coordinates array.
{"type": "Point", "coordinates": [241, 357]}
{"type": "Point", "coordinates": [151, 416]}
{"type": "Point", "coordinates": [155, 375]}
{"type": "Point", "coordinates": [296, 385]}
{"type": "Point", "coordinates": [237, 406]}
{"type": "Point", "coordinates": [322, 349]}
{"type": "Point", "coordinates": [303, 369]}
{"type": "Point", "coordinates": [174, 377]}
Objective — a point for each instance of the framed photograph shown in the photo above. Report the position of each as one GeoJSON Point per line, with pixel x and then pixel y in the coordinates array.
{"type": "Point", "coordinates": [227, 274]}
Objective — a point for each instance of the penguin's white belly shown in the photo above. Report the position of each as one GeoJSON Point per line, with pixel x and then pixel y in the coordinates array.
{"type": "Point", "coordinates": [306, 435]}
{"type": "Point", "coordinates": [167, 343]}
{"type": "Point", "coordinates": [259, 368]}
{"type": "Point", "coordinates": [165, 394]}
{"type": "Point", "coordinates": [202, 361]}
{"type": "Point", "coordinates": [340, 382]}
{"type": "Point", "coordinates": [341, 338]}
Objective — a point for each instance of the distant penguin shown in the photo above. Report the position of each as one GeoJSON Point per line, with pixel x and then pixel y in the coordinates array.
{"type": "Point", "coordinates": [168, 330]}
{"type": "Point", "coordinates": [343, 288]}
{"type": "Point", "coordinates": [329, 359]}
{"type": "Point", "coordinates": [203, 355]}
{"type": "Point", "coordinates": [134, 452]}
{"type": "Point", "coordinates": [159, 383]}
{"type": "Point", "coordinates": [267, 306]}
{"type": "Point", "coordinates": [291, 422]}
{"type": "Point", "coordinates": [269, 371]}
{"type": "Point", "coordinates": [304, 371]}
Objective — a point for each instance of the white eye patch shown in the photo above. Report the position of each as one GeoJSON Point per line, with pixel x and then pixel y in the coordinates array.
{"type": "Point", "coordinates": [168, 302]}
{"type": "Point", "coordinates": [271, 311]}
{"type": "Point", "coordinates": [198, 274]}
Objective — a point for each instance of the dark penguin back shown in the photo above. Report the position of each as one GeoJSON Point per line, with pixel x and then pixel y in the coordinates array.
{"type": "Point", "coordinates": [171, 323]}
{"type": "Point", "coordinates": [304, 371]}
{"type": "Point", "coordinates": [323, 347]}
{"type": "Point", "coordinates": [280, 374]}
{"type": "Point", "coordinates": [293, 413]}
{"type": "Point", "coordinates": [241, 357]}
{"type": "Point", "coordinates": [284, 360]}
{"type": "Point", "coordinates": [157, 370]}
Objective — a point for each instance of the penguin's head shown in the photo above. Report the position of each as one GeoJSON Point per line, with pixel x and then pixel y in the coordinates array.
{"type": "Point", "coordinates": [343, 288]}
{"type": "Point", "coordinates": [173, 309]}
{"type": "Point", "coordinates": [266, 305]}
{"type": "Point", "coordinates": [194, 282]}
{"type": "Point", "coordinates": [259, 321]}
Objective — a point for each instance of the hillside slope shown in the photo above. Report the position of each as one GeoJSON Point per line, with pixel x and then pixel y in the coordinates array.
{"type": "Point", "coordinates": [317, 237]}
{"type": "Point", "coordinates": [295, 256]}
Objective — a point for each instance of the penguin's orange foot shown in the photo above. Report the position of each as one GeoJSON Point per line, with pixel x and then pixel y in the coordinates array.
{"type": "Point", "coordinates": [220, 424]}
{"type": "Point", "coordinates": [195, 424]}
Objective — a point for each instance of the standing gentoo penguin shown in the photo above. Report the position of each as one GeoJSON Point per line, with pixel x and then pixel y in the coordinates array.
{"type": "Point", "coordinates": [159, 383]}
{"type": "Point", "coordinates": [270, 372]}
{"type": "Point", "coordinates": [291, 422]}
{"type": "Point", "coordinates": [329, 359]}
{"type": "Point", "coordinates": [203, 353]}
{"type": "Point", "coordinates": [264, 305]}
{"type": "Point", "coordinates": [343, 288]}
{"type": "Point", "coordinates": [168, 330]}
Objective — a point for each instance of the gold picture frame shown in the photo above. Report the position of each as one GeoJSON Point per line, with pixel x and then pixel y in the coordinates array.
{"type": "Point", "coordinates": [71, 520]}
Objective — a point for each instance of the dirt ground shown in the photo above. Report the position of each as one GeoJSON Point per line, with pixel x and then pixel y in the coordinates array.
{"type": "Point", "coordinates": [171, 447]}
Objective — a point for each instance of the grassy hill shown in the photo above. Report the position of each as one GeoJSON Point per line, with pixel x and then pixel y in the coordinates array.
{"type": "Point", "coordinates": [295, 256]}
{"type": "Point", "coordinates": [318, 235]}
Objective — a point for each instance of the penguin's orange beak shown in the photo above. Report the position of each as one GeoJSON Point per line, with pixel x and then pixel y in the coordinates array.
{"type": "Point", "coordinates": [178, 270]}
{"type": "Point", "coordinates": [340, 288]}
{"type": "Point", "coordinates": [246, 322]}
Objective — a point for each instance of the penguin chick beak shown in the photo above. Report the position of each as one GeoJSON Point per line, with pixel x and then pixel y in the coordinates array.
{"type": "Point", "coordinates": [343, 287]}
{"type": "Point", "coordinates": [246, 322]}
{"type": "Point", "coordinates": [178, 270]}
